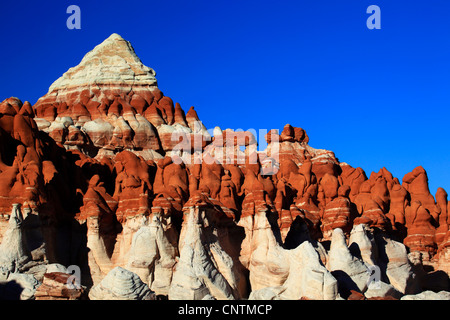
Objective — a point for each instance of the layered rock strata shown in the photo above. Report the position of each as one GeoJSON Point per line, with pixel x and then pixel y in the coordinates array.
{"type": "Point", "coordinates": [106, 173]}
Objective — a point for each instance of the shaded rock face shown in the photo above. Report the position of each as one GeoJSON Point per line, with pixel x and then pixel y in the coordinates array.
{"type": "Point", "coordinates": [205, 269]}
{"type": "Point", "coordinates": [106, 173]}
{"type": "Point", "coordinates": [277, 273]}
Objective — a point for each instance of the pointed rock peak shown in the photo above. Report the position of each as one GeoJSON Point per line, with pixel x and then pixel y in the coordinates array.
{"type": "Point", "coordinates": [179, 115]}
{"type": "Point", "coordinates": [113, 61]}
{"type": "Point", "coordinates": [192, 114]}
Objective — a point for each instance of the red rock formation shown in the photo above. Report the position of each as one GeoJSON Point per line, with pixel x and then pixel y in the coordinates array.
{"type": "Point", "coordinates": [105, 152]}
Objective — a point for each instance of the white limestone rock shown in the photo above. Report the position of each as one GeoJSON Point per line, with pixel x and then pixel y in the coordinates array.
{"type": "Point", "coordinates": [121, 284]}
{"type": "Point", "coordinates": [308, 277]}
{"type": "Point", "coordinates": [280, 274]}
{"type": "Point", "coordinates": [145, 134]}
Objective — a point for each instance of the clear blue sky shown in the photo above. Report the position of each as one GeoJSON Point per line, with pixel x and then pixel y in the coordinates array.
{"type": "Point", "coordinates": [375, 97]}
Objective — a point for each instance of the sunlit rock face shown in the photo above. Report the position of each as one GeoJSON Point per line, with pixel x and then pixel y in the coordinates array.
{"type": "Point", "coordinates": [108, 175]}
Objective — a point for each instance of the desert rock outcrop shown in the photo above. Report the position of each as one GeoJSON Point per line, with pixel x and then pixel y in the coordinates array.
{"type": "Point", "coordinates": [107, 173]}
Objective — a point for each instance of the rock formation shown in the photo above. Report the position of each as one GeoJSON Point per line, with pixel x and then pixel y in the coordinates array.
{"type": "Point", "coordinates": [59, 286]}
{"type": "Point", "coordinates": [121, 284]}
{"type": "Point", "coordinates": [421, 233]}
{"type": "Point", "coordinates": [204, 270]}
{"type": "Point", "coordinates": [108, 174]}
{"type": "Point", "coordinates": [428, 295]}
{"type": "Point", "coordinates": [307, 278]}
{"type": "Point", "coordinates": [153, 253]}
{"type": "Point", "coordinates": [13, 250]}
{"type": "Point", "coordinates": [350, 271]}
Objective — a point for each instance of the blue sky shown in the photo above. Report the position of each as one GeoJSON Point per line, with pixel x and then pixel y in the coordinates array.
{"type": "Point", "coordinates": [374, 97]}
